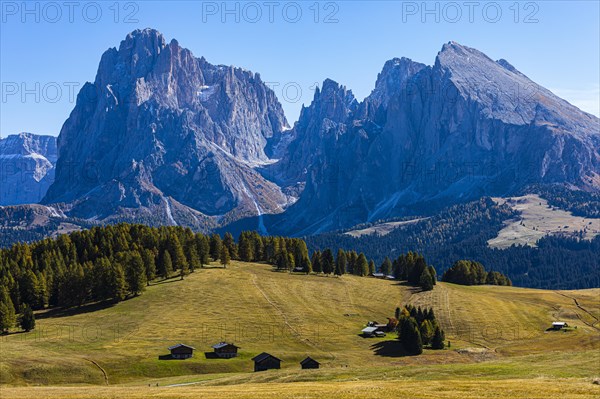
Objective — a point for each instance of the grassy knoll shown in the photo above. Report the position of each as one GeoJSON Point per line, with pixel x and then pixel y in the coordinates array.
{"type": "Point", "coordinates": [499, 343]}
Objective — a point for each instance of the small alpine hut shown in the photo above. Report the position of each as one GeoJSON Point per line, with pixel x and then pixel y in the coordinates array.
{"type": "Point", "coordinates": [225, 350]}
{"type": "Point", "coordinates": [265, 361]}
{"type": "Point", "coordinates": [369, 332]}
{"type": "Point", "coordinates": [559, 325]}
{"type": "Point", "coordinates": [181, 351]}
{"type": "Point", "coordinates": [309, 363]}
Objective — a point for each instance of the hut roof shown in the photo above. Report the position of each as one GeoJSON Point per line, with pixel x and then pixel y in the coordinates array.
{"type": "Point", "coordinates": [180, 346]}
{"type": "Point", "coordinates": [263, 356]}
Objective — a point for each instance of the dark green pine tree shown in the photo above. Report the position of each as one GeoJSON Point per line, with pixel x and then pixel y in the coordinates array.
{"type": "Point", "coordinates": [229, 242]}
{"type": "Point", "coordinates": [433, 274]}
{"type": "Point", "coordinates": [246, 247]}
{"type": "Point", "coordinates": [362, 266]}
{"type": "Point", "coordinates": [203, 249]}
{"type": "Point", "coordinates": [316, 262]}
{"type": "Point", "coordinates": [7, 311]}
{"type": "Point", "coordinates": [426, 281]}
{"type": "Point", "coordinates": [426, 331]}
{"type": "Point", "coordinates": [27, 318]}
{"type": "Point", "coordinates": [165, 265]}
{"type": "Point", "coordinates": [411, 339]}
{"type": "Point", "coordinates": [340, 263]}
{"type": "Point", "coordinates": [327, 261]}
{"type": "Point", "coordinates": [177, 253]}
{"type": "Point", "coordinates": [371, 267]}
{"type": "Point", "coordinates": [150, 265]}
{"type": "Point", "coordinates": [386, 266]}
{"type": "Point", "coordinates": [136, 273]}
{"type": "Point", "coordinates": [224, 256]}
{"type": "Point", "coordinates": [193, 259]}
{"type": "Point", "coordinates": [437, 342]}
{"type": "Point", "coordinates": [215, 246]}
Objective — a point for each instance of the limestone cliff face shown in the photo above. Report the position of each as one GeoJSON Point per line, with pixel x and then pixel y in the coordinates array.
{"type": "Point", "coordinates": [26, 167]}
{"type": "Point", "coordinates": [164, 137]}
{"type": "Point", "coordinates": [429, 136]}
{"type": "Point", "coordinates": [158, 128]}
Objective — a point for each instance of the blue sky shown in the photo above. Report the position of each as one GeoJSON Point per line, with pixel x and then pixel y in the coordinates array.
{"type": "Point", "coordinates": [49, 49]}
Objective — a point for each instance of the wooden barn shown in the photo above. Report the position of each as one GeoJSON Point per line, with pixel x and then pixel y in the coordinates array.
{"type": "Point", "coordinates": [225, 350]}
{"type": "Point", "coordinates": [309, 363]}
{"type": "Point", "coordinates": [181, 351]}
{"type": "Point", "coordinates": [265, 361]}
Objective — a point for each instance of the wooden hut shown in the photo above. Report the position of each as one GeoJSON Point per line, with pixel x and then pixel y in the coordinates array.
{"type": "Point", "coordinates": [181, 351]}
{"type": "Point", "coordinates": [225, 350]}
{"type": "Point", "coordinates": [265, 361]}
{"type": "Point", "coordinates": [309, 363]}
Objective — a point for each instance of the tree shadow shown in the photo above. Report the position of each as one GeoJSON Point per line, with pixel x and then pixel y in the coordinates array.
{"type": "Point", "coordinates": [389, 349]}
{"type": "Point", "coordinates": [168, 281]}
{"type": "Point", "coordinates": [64, 312]}
{"type": "Point", "coordinates": [8, 333]}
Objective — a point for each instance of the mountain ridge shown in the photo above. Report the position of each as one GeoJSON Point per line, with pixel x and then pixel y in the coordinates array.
{"type": "Point", "coordinates": [168, 138]}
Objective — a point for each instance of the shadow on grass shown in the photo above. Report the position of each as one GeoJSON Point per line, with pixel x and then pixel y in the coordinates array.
{"type": "Point", "coordinates": [167, 281]}
{"type": "Point", "coordinates": [7, 333]}
{"type": "Point", "coordinates": [211, 355]}
{"type": "Point", "coordinates": [64, 312]}
{"type": "Point", "coordinates": [389, 349]}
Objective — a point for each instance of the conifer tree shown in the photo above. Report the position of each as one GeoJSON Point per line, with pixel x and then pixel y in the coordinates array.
{"type": "Point", "coordinates": [177, 255]}
{"type": "Point", "coordinates": [246, 247]}
{"type": "Point", "coordinates": [386, 266]}
{"type": "Point", "coordinates": [224, 257]}
{"type": "Point", "coordinates": [426, 331]}
{"type": "Point", "coordinates": [316, 262]}
{"type": "Point", "coordinates": [27, 321]}
{"type": "Point", "coordinates": [203, 249]}
{"type": "Point", "coordinates": [165, 265]}
{"type": "Point", "coordinates": [136, 273]}
{"type": "Point", "coordinates": [7, 311]}
{"type": "Point", "coordinates": [426, 281]}
{"type": "Point", "coordinates": [371, 267]}
{"type": "Point", "coordinates": [362, 266]}
{"type": "Point", "coordinates": [340, 263]}
{"type": "Point", "coordinates": [116, 283]}
{"type": "Point", "coordinates": [411, 338]}
{"type": "Point", "coordinates": [215, 246]}
{"type": "Point", "coordinates": [192, 257]}
{"type": "Point", "coordinates": [437, 342]}
{"type": "Point", "coordinates": [149, 264]}
{"type": "Point", "coordinates": [229, 242]}
{"type": "Point", "coordinates": [327, 262]}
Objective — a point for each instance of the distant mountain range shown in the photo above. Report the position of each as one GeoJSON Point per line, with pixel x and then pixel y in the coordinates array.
{"type": "Point", "coordinates": [162, 137]}
{"type": "Point", "coordinates": [27, 164]}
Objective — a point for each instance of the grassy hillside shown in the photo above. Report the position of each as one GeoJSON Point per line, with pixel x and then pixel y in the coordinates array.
{"type": "Point", "coordinates": [499, 342]}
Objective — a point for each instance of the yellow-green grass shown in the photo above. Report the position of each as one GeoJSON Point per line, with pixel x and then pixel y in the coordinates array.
{"type": "Point", "coordinates": [540, 388]}
{"type": "Point", "coordinates": [498, 337]}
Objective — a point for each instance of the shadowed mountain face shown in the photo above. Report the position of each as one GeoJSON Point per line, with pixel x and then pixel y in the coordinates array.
{"type": "Point", "coordinates": [167, 138]}
{"type": "Point", "coordinates": [430, 136]}
{"type": "Point", "coordinates": [26, 167]}
{"type": "Point", "coordinates": [160, 129]}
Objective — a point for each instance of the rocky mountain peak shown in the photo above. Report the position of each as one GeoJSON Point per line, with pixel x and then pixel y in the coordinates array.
{"type": "Point", "coordinates": [160, 127]}
{"type": "Point", "coordinates": [26, 167]}
{"type": "Point", "coordinates": [392, 79]}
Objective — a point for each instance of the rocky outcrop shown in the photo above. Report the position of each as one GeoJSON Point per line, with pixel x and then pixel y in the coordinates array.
{"type": "Point", "coordinates": [160, 129]}
{"type": "Point", "coordinates": [427, 137]}
{"type": "Point", "coordinates": [26, 167]}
